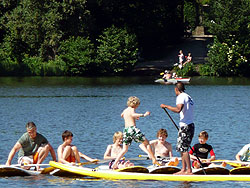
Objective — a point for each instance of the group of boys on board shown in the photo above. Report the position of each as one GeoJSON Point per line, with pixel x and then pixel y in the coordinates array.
{"type": "Point", "coordinates": [34, 148]}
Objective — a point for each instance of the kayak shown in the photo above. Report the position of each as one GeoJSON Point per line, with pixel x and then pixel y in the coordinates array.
{"type": "Point", "coordinates": [173, 80]}
{"type": "Point", "coordinates": [121, 175]}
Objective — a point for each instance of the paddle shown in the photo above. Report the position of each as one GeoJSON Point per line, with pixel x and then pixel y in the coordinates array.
{"type": "Point", "coordinates": [108, 160]}
{"type": "Point", "coordinates": [189, 146]}
{"type": "Point", "coordinates": [158, 157]}
{"type": "Point", "coordinates": [232, 162]}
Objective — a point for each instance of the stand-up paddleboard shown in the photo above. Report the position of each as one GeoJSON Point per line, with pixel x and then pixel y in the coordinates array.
{"type": "Point", "coordinates": [115, 175]}
{"type": "Point", "coordinates": [163, 169]}
{"type": "Point", "coordinates": [240, 170]}
{"type": "Point", "coordinates": [16, 170]}
{"type": "Point", "coordinates": [138, 169]}
{"type": "Point", "coordinates": [211, 170]}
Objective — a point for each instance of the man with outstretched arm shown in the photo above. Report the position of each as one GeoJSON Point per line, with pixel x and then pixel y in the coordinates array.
{"type": "Point", "coordinates": [184, 106]}
{"type": "Point", "coordinates": [33, 148]}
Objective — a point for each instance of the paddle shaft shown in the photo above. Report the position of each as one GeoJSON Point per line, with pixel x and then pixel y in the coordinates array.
{"type": "Point", "coordinates": [189, 146]}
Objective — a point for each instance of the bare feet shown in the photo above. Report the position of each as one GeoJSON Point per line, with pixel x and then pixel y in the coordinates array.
{"type": "Point", "coordinates": [223, 164]}
{"type": "Point", "coordinates": [182, 172]}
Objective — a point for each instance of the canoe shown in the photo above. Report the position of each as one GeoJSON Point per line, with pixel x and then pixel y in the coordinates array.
{"type": "Point", "coordinates": [115, 175]}
{"type": "Point", "coordinates": [173, 81]}
{"type": "Point", "coordinates": [7, 171]}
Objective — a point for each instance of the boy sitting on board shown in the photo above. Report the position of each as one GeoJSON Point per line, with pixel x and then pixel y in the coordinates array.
{"type": "Point", "coordinates": [162, 149]}
{"type": "Point", "coordinates": [114, 149]}
{"type": "Point", "coordinates": [202, 149]}
{"type": "Point", "coordinates": [68, 153]}
{"type": "Point", "coordinates": [131, 132]}
{"type": "Point", "coordinates": [244, 155]}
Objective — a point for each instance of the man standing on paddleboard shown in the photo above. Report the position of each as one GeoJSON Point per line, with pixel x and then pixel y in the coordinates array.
{"type": "Point", "coordinates": [184, 106]}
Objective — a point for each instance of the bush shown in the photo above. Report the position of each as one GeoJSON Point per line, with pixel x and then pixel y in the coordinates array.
{"type": "Point", "coordinates": [34, 66]}
{"type": "Point", "coordinates": [227, 59]}
{"type": "Point", "coordinates": [117, 51]}
{"type": "Point", "coordinates": [77, 54]}
{"type": "Point", "coordinates": [187, 70]}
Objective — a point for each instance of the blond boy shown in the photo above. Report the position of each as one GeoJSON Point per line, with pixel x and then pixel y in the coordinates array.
{"type": "Point", "coordinates": [131, 132]}
{"type": "Point", "coordinates": [114, 149]}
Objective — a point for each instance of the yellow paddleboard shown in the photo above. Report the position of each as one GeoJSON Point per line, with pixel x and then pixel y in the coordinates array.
{"type": "Point", "coordinates": [115, 175]}
{"type": "Point", "coordinates": [163, 169]}
{"type": "Point", "coordinates": [240, 170]}
{"type": "Point", "coordinates": [211, 170]}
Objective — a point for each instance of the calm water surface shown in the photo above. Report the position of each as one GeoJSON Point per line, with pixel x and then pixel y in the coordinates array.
{"type": "Point", "coordinates": [91, 108]}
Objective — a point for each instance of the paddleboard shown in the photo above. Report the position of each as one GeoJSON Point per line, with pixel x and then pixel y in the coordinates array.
{"type": "Point", "coordinates": [163, 169]}
{"type": "Point", "coordinates": [115, 175]}
{"type": "Point", "coordinates": [138, 169]}
{"type": "Point", "coordinates": [240, 170]}
{"type": "Point", "coordinates": [16, 171]}
{"type": "Point", "coordinates": [211, 170]}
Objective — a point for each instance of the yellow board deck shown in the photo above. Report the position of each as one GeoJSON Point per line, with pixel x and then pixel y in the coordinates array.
{"type": "Point", "coordinates": [115, 175]}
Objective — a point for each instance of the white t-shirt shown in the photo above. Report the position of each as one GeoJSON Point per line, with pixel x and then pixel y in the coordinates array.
{"type": "Point", "coordinates": [245, 153]}
{"type": "Point", "coordinates": [186, 114]}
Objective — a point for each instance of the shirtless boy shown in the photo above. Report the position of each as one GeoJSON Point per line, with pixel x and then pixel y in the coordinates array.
{"type": "Point", "coordinates": [131, 132]}
{"type": "Point", "coordinates": [114, 149]}
{"type": "Point", "coordinates": [161, 148]}
{"type": "Point", "coordinates": [68, 153]}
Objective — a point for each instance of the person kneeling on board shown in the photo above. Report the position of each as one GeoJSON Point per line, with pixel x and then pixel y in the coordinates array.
{"type": "Point", "coordinates": [201, 150]}
{"type": "Point", "coordinates": [68, 153]}
{"type": "Point", "coordinates": [33, 148]}
{"type": "Point", "coordinates": [162, 149]}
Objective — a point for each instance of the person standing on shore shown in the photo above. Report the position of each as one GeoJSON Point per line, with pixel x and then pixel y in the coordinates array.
{"type": "Point", "coordinates": [184, 106]}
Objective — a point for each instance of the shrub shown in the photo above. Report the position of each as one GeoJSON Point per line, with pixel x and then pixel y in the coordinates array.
{"type": "Point", "coordinates": [117, 50]}
{"type": "Point", "coordinates": [77, 54]}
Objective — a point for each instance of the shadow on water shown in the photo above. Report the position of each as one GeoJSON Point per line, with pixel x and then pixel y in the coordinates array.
{"type": "Point", "coordinates": [73, 81]}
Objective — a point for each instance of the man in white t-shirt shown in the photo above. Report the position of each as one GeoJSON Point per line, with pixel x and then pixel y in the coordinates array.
{"type": "Point", "coordinates": [244, 153]}
{"type": "Point", "coordinates": [184, 106]}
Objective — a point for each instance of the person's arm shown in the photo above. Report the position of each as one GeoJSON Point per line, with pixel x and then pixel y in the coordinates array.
{"type": "Point", "coordinates": [137, 115]}
{"type": "Point", "coordinates": [176, 109]}
{"type": "Point", "coordinates": [107, 154]}
{"type": "Point", "coordinates": [170, 150]}
{"type": "Point", "coordinates": [238, 157]}
{"type": "Point", "coordinates": [12, 153]}
{"type": "Point", "coordinates": [86, 157]}
{"type": "Point", "coordinates": [52, 152]}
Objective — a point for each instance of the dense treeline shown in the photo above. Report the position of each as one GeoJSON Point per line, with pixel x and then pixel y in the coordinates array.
{"type": "Point", "coordinates": [108, 37]}
{"type": "Point", "coordinates": [80, 37]}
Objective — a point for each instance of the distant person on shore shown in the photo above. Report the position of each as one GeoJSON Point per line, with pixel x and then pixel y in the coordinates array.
{"type": "Point", "coordinates": [181, 59]}
{"type": "Point", "coordinates": [162, 149]}
{"type": "Point", "coordinates": [68, 153]}
{"type": "Point", "coordinates": [188, 59]}
{"type": "Point", "coordinates": [33, 148]}
{"type": "Point", "coordinates": [131, 132]}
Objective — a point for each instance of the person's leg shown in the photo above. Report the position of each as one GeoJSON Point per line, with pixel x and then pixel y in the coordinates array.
{"type": "Point", "coordinates": [42, 154]}
{"type": "Point", "coordinates": [120, 155]}
{"type": "Point", "coordinates": [75, 153]}
{"type": "Point", "coordinates": [186, 158]}
{"type": "Point", "coordinates": [145, 145]}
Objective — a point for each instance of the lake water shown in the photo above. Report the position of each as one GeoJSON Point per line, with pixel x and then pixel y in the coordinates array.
{"type": "Point", "coordinates": [91, 108]}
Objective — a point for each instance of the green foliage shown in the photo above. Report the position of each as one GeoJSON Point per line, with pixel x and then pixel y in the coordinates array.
{"type": "Point", "coordinates": [189, 13]}
{"type": "Point", "coordinates": [117, 50]}
{"type": "Point", "coordinates": [227, 59]}
{"type": "Point", "coordinates": [34, 66]}
{"type": "Point", "coordinates": [78, 55]}
{"type": "Point", "coordinates": [229, 21]}
{"type": "Point", "coordinates": [187, 70]}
